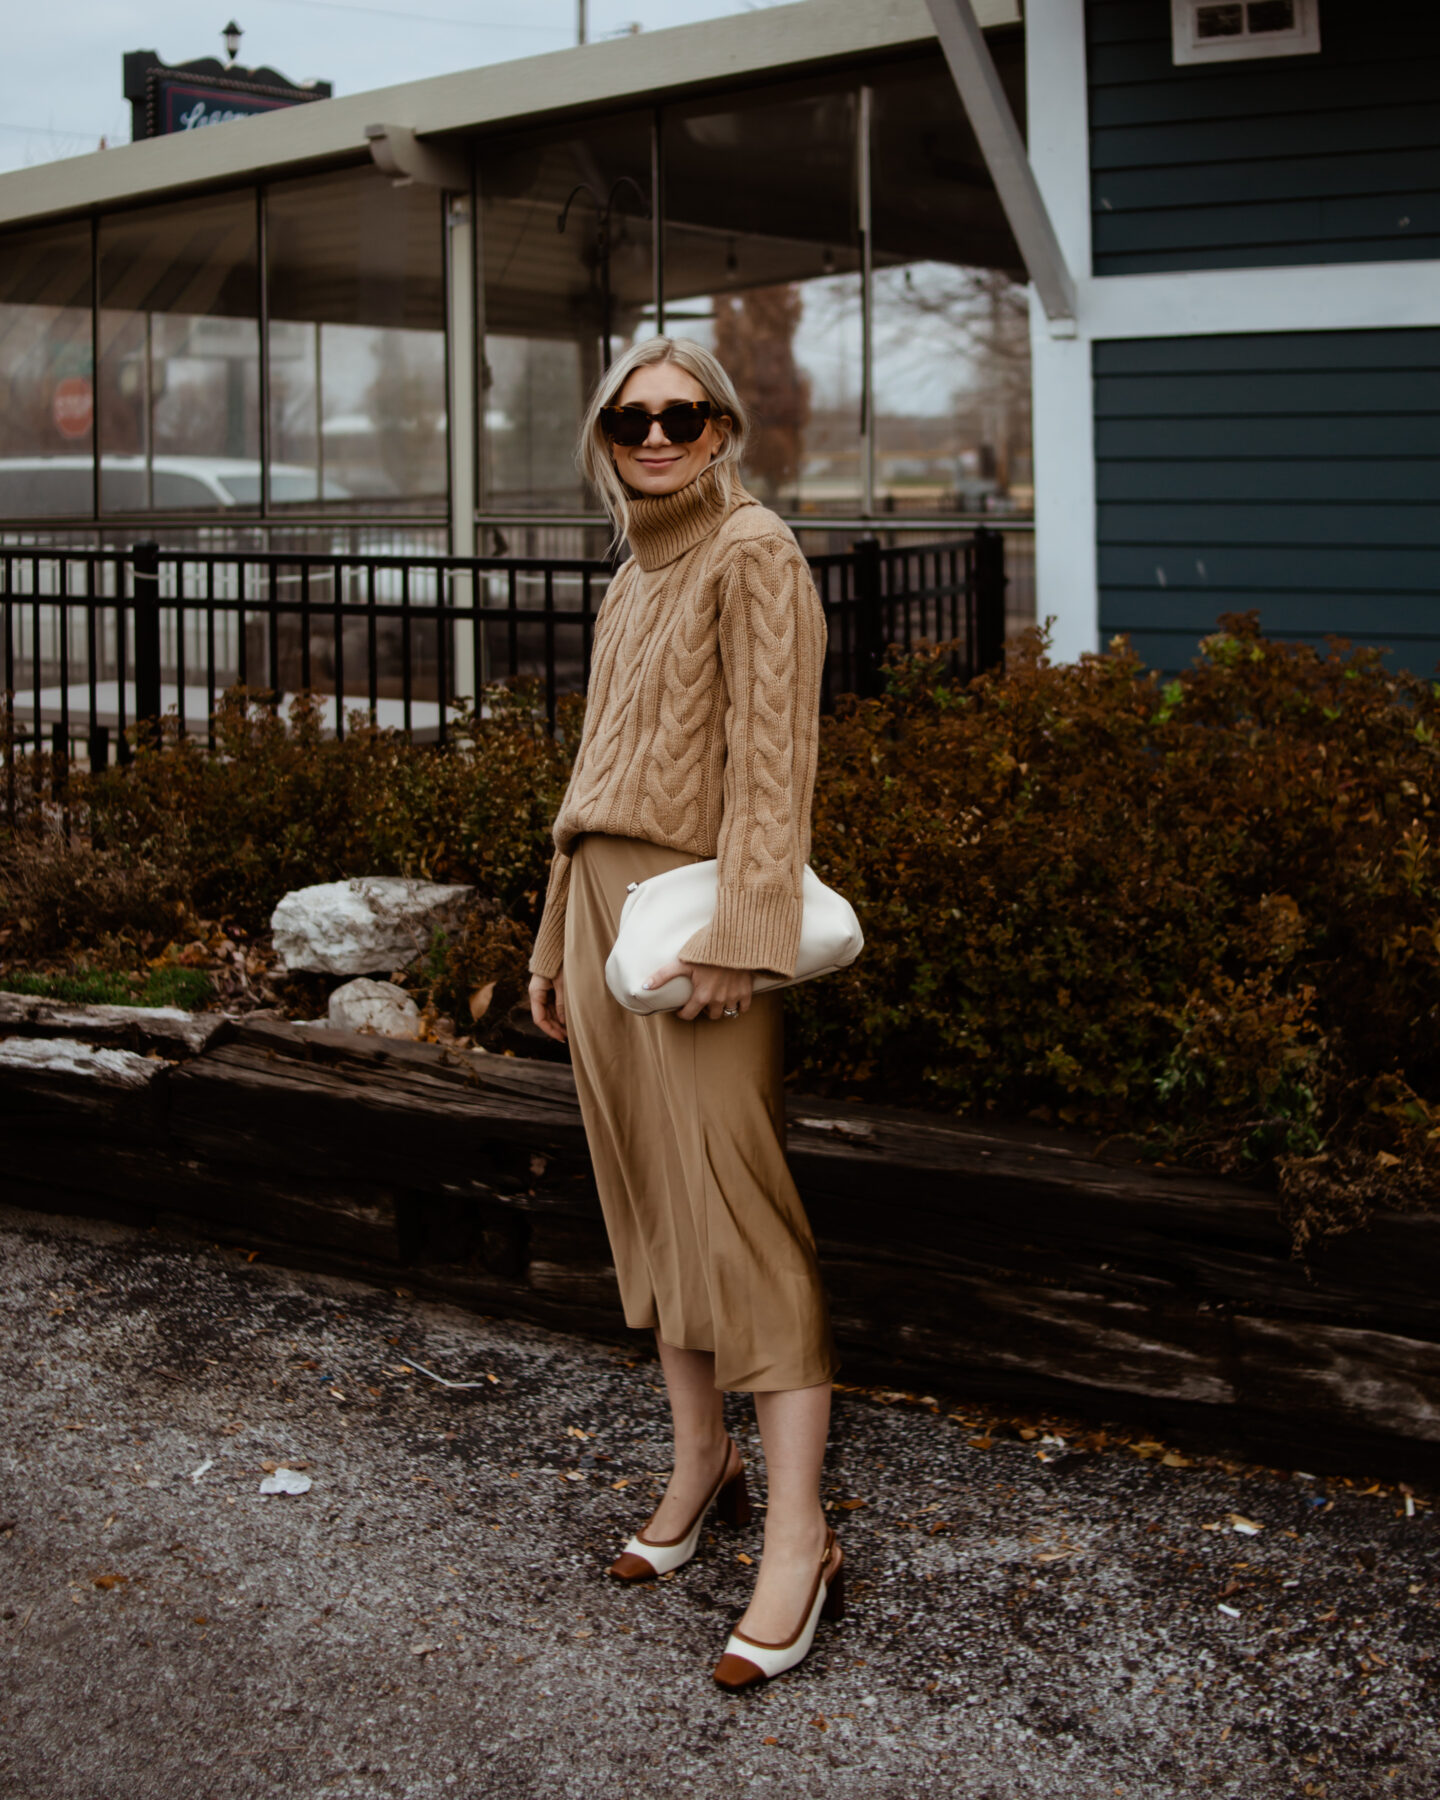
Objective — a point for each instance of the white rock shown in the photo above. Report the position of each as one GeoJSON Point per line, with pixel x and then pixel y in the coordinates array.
{"type": "Point", "coordinates": [377, 1006]}
{"type": "Point", "coordinates": [286, 1481]}
{"type": "Point", "coordinates": [372, 924]}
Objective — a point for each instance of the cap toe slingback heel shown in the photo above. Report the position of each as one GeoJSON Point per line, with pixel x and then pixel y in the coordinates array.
{"type": "Point", "coordinates": [747, 1660]}
{"type": "Point", "coordinates": [644, 1558]}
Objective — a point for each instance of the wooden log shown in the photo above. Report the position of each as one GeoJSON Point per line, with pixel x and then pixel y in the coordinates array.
{"type": "Point", "coordinates": [1005, 1261]}
{"type": "Point", "coordinates": [143, 1181]}
{"type": "Point", "coordinates": [140, 1029]}
{"type": "Point", "coordinates": [56, 1085]}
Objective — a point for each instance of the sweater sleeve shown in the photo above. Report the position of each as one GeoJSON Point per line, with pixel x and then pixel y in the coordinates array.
{"type": "Point", "coordinates": [549, 951]}
{"type": "Point", "coordinates": [772, 648]}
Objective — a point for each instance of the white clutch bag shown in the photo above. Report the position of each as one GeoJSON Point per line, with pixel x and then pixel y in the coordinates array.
{"type": "Point", "coordinates": [661, 914]}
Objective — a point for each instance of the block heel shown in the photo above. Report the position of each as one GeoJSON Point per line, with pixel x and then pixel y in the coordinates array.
{"type": "Point", "coordinates": [834, 1606]}
{"type": "Point", "coordinates": [732, 1503]}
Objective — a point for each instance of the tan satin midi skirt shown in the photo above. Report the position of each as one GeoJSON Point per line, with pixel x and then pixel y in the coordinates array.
{"type": "Point", "coordinates": [685, 1123]}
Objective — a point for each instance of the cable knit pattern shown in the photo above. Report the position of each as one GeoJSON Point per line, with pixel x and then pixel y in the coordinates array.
{"type": "Point", "coordinates": [702, 719]}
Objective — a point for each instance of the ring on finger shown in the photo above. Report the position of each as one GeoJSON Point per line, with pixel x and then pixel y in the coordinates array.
{"type": "Point", "coordinates": [729, 1012]}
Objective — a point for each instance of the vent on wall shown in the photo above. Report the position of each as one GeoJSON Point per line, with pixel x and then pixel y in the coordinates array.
{"type": "Point", "coordinates": [1229, 30]}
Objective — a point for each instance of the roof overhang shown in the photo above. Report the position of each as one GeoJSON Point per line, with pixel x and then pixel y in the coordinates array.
{"type": "Point", "coordinates": [605, 76]}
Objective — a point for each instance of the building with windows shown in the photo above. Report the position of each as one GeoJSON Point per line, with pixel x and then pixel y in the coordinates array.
{"type": "Point", "coordinates": [1163, 275]}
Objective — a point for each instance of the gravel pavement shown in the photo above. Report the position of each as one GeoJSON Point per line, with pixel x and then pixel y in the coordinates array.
{"type": "Point", "coordinates": [432, 1617]}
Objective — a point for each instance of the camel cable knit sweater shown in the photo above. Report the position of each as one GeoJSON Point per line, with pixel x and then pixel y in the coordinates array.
{"type": "Point", "coordinates": [702, 719]}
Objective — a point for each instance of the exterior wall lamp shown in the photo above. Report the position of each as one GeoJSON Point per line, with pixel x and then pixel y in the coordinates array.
{"type": "Point", "coordinates": [232, 35]}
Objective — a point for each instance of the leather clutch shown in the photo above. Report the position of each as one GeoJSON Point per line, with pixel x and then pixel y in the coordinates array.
{"type": "Point", "coordinates": [661, 914]}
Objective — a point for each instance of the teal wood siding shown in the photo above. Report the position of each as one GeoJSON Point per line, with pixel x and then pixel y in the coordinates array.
{"type": "Point", "coordinates": [1297, 473]}
{"type": "Point", "coordinates": [1326, 158]}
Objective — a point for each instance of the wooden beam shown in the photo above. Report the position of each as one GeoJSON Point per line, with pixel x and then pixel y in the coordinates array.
{"type": "Point", "coordinates": [973, 71]}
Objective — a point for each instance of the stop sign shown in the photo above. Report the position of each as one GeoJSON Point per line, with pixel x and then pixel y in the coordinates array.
{"type": "Point", "coordinates": [74, 406]}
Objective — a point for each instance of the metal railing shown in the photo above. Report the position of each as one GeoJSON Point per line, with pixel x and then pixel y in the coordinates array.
{"type": "Point", "coordinates": [96, 642]}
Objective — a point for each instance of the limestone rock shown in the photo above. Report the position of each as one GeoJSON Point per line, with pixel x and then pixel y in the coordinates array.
{"type": "Point", "coordinates": [367, 926]}
{"type": "Point", "coordinates": [377, 1006]}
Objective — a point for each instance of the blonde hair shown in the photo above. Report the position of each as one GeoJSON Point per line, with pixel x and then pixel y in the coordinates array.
{"type": "Point", "coordinates": [593, 454]}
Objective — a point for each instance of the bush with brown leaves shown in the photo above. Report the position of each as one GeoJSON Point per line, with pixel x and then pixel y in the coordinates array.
{"type": "Point", "coordinates": [1206, 910]}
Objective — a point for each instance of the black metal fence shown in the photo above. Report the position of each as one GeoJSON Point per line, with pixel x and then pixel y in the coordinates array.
{"type": "Point", "coordinates": [96, 642]}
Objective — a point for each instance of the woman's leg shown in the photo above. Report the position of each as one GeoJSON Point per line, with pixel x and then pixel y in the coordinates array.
{"type": "Point", "coordinates": [794, 1426]}
{"type": "Point", "coordinates": [697, 1412]}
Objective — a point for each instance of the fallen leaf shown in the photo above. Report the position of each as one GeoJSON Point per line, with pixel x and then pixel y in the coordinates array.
{"type": "Point", "coordinates": [1246, 1527]}
{"type": "Point", "coordinates": [200, 1619]}
{"type": "Point", "coordinates": [740, 1556]}
{"type": "Point", "coordinates": [820, 1724]}
{"type": "Point", "coordinates": [110, 1581]}
{"type": "Point", "coordinates": [981, 1443]}
{"type": "Point", "coordinates": [1172, 1459]}
{"type": "Point", "coordinates": [423, 1649]}
{"type": "Point", "coordinates": [480, 1001]}
{"type": "Point", "coordinates": [624, 1481]}
{"type": "Point", "coordinates": [769, 1740]}
{"type": "Point", "coordinates": [852, 1505]}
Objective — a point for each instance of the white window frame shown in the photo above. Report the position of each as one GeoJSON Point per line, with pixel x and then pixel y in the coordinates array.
{"type": "Point", "coordinates": [1186, 47]}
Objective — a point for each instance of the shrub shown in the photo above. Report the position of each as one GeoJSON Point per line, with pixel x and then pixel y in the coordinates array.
{"type": "Point", "coordinates": [1204, 913]}
{"type": "Point", "coordinates": [1205, 910]}
{"type": "Point", "coordinates": [281, 806]}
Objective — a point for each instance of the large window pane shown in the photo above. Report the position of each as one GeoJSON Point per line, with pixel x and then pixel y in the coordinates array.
{"type": "Point", "coordinates": [179, 356]}
{"type": "Point", "coordinates": [357, 343]}
{"type": "Point", "coordinates": [761, 259]}
{"type": "Point", "coordinates": [951, 350]}
{"type": "Point", "coordinates": [556, 301]}
{"type": "Point", "coordinates": [46, 375]}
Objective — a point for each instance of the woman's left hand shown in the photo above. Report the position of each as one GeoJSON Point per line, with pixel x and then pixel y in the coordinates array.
{"type": "Point", "coordinates": [713, 990]}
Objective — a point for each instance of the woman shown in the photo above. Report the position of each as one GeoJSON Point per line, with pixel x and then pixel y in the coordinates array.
{"type": "Point", "coordinates": [699, 741]}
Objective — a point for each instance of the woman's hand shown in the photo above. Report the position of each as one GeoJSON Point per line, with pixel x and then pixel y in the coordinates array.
{"type": "Point", "coordinates": [547, 1005]}
{"type": "Point", "coordinates": [713, 991]}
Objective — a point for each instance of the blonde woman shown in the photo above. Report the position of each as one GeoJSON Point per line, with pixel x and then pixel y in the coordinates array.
{"type": "Point", "coordinates": [699, 741]}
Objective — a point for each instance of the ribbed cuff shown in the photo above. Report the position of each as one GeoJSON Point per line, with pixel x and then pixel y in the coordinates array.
{"type": "Point", "coordinates": [750, 930]}
{"type": "Point", "coordinates": [549, 951]}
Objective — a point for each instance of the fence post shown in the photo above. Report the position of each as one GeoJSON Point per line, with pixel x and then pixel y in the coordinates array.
{"type": "Point", "coordinates": [59, 760]}
{"type": "Point", "coordinates": [990, 584]}
{"type": "Point", "coordinates": [145, 560]}
{"type": "Point", "coordinates": [869, 623]}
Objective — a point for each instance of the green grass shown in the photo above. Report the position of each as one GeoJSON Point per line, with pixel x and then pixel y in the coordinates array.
{"type": "Point", "coordinates": [187, 988]}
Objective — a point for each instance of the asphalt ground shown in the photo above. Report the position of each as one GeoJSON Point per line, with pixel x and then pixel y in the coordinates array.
{"type": "Point", "coordinates": [1098, 1619]}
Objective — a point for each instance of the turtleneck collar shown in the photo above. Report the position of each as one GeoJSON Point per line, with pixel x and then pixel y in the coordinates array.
{"type": "Point", "coordinates": [664, 526]}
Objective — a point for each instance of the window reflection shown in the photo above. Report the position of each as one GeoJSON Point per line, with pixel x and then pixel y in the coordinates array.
{"type": "Point", "coordinates": [950, 356]}
{"type": "Point", "coordinates": [179, 354]}
{"type": "Point", "coordinates": [762, 260]}
{"type": "Point", "coordinates": [553, 298]}
{"type": "Point", "coordinates": [357, 342]}
{"type": "Point", "coordinates": [47, 401]}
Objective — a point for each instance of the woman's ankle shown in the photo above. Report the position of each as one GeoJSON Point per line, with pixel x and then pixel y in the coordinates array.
{"type": "Point", "coordinates": [798, 1533]}
{"type": "Point", "coordinates": [702, 1449]}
